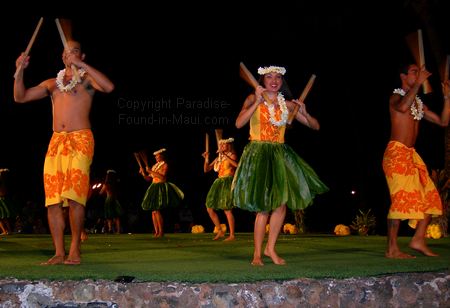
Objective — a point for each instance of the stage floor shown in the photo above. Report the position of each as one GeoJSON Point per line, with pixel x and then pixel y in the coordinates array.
{"type": "Point", "coordinates": [196, 258]}
{"type": "Point", "coordinates": [191, 270]}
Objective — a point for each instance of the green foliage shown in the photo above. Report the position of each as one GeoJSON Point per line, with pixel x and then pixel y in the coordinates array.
{"type": "Point", "coordinates": [364, 222]}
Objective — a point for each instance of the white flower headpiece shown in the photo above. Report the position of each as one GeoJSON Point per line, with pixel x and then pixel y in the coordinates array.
{"type": "Point", "coordinates": [271, 69]}
{"type": "Point", "coordinates": [229, 140]}
{"type": "Point", "coordinates": [4, 170]}
{"type": "Point", "coordinates": [111, 170]}
{"type": "Point", "coordinates": [159, 151]}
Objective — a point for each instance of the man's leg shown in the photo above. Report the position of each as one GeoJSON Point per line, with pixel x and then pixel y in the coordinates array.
{"type": "Point", "coordinates": [393, 251]}
{"type": "Point", "coordinates": [418, 241]}
{"type": "Point", "coordinates": [76, 218]}
{"type": "Point", "coordinates": [56, 224]}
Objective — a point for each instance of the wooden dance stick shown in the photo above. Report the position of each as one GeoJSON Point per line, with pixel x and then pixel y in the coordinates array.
{"type": "Point", "coordinates": [27, 51]}
{"type": "Point", "coordinates": [136, 155]}
{"type": "Point", "coordinates": [426, 85]}
{"type": "Point", "coordinates": [144, 158]}
{"type": "Point", "coordinates": [206, 143]}
{"type": "Point", "coordinates": [415, 44]}
{"type": "Point", "coordinates": [248, 77]}
{"type": "Point", "coordinates": [302, 98]}
{"type": "Point", "coordinates": [218, 137]}
{"type": "Point", "coordinates": [66, 47]}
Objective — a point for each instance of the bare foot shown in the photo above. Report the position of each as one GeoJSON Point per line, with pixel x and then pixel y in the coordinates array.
{"type": "Point", "coordinates": [275, 258]}
{"type": "Point", "coordinates": [257, 262]}
{"type": "Point", "coordinates": [423, 248]}
{"type": "Point", "coordinates": [72, 261]}
{"type": "Point", "coordinates": [230, 238]}
{"type": "Point", "coordinates": [219, 235]}
{"type": "Point", "coordinates": [54, 260]}
{"type": "Point", "coordinates": [84, 236]}
{"type": "Point", "coordinates": [398, 255]}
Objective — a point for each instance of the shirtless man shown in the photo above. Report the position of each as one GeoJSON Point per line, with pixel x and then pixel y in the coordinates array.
{"type": "Point", "coordinates": [71, 148]}
{"type": "Point", "coordinates": [413, 194]}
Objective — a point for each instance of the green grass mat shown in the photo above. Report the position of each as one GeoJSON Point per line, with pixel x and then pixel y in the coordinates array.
{"type": "Point", "coordinates": [196, 258]}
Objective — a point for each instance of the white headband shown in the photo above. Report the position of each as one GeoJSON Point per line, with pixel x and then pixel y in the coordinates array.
{"type": "Point", "coordinates": [271, 69]}
{"type": "Point", "coordinates": [229, 140]}
{"type": "Point", "coordinates": [159, 151]}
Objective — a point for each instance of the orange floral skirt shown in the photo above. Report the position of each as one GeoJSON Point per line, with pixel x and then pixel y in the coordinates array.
{"type": "Point", "coordinates": [66, 168]}
{"type": "Point", "coordinates": [412, 191]}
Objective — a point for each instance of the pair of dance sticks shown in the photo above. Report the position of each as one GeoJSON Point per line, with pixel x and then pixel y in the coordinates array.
{"type": "Point", "coordinates": [63, 39]}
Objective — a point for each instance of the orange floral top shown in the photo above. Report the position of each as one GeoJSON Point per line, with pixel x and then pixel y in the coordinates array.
{"type": "Point", "coordinates": [262, 130]}
{"type": "Point", "coordinates": [156, 167]}
{"type": "Point", "coordinates": [225, 168]}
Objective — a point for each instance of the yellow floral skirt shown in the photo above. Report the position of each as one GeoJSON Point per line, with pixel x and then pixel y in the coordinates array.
{"type": "Point", "coordinates": [66, 168]}
{"type": "Point", "coordinates": [412, 191]}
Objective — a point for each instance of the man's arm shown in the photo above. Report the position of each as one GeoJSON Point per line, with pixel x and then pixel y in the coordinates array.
{"type": "Point", "coordinates": [22, 94]}
{"type": "Point", "coordinates": [98, 80]}
{"type": "Point", "coordinates": [441, 120]}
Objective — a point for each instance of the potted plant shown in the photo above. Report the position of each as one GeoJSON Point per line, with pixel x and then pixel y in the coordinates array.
{"type": "Point", "coordinates": [364, 222]}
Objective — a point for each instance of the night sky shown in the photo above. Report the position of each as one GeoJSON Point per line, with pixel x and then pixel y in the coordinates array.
{"type": "Point", "coordinates": [180, 64]}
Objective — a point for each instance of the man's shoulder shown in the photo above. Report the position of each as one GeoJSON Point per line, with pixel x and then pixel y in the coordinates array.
{"type": "Point", "coordinates": [48, 82]}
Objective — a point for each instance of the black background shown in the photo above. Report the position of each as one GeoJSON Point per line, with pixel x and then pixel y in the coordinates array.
{"type": "Point", "coordinates": [191, 52]}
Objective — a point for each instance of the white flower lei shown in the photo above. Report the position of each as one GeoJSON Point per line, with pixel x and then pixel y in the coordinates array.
{"type": "Point", "coordinates": [283, 108]}
{"type": "Point", "coordinates": [158, 165]}
{"type": "Point", "coordinates": [219, 160]}
{"type": "Point", "coordinates": [417, 113]}
{"type": "Point", "coordinates": [73, 82]}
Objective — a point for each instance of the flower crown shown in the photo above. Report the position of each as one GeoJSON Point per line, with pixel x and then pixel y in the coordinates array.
{"type": "Point", "coordinates": [271, 69]}
{"type": "Point", "coordinates": [4, 170]}
{"type": "Point", "coordinates": [111, 170]}
{"type": "Point", "coordinates": [159, 151]}
{"type": "Point", "coordinates": [229, 140]}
